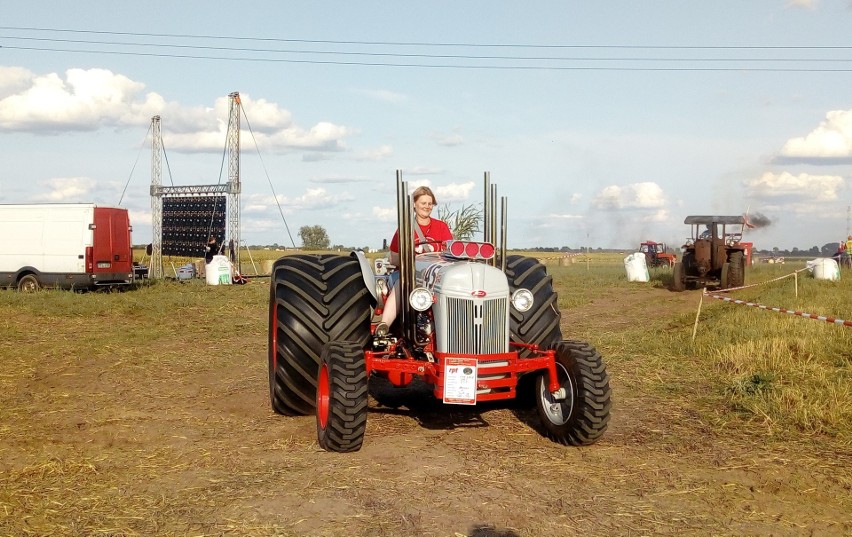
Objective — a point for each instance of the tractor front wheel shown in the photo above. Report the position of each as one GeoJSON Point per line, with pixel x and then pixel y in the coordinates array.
{"type": "Point", "coordinates": [582, 416]}
{"type": "Point", "coordinates": [342, 397]}
{"type": "Point", "coordinates": [678, 283]}
{"type": "Point", "coordinates": [736, 271]}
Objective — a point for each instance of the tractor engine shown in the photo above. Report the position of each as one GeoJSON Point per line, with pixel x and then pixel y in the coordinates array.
{"type": "Point", "coordinates": [702, 260]}
{"type": "Point", "coordinates": [470, 307]}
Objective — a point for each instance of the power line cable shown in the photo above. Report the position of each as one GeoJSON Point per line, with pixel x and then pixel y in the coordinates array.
{"type": "Point", "coordinates": [268, 179]}
{"type": "Point", "coordinates": [448, 66]}
{"type": "Point", "coordinates": [421, 55]}
{"type": "Point", "coordinates": [142, 145]}
{"type": "Point", "coordinates": [766, 60]}
{"type": "Point", "coordinates": [436, 44]}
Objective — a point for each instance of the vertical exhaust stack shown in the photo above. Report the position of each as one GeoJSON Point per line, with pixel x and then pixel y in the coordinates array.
{"type": "Point", "coordinates": [406, 252]}
{"type": "Point", "coordinates": [489, 221]}
{"type": "Point", "coordinates": [493, 224]}
{"type": "Point", "coordinates": [486, 208]}
{"type": "Point", "coordinates": [503, 217]}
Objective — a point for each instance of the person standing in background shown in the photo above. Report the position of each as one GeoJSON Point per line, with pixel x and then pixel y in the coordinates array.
{"type": "Point", "coordinates": [847, 257]}
{"type": "Point", "coordinates": [211, 249]}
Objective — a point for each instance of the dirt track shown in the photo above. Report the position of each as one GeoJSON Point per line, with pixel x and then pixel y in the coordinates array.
{"type": "Point", "coordinates": [175, 436]}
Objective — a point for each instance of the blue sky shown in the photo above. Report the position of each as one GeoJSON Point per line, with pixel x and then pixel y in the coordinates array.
{"type": "Point", "coordinates": [603, 123]}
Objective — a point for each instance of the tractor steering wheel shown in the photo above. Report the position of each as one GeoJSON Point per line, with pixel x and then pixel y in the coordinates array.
{"type": "Point", "coordinates": [433, 246]}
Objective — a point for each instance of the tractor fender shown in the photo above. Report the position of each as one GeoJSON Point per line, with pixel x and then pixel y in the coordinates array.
{"type": "Point", "coordinates": [367, 273]}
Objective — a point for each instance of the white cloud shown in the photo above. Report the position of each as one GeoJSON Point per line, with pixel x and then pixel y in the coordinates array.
{"type": "Point", "coordinates": [316, 156]}
{"type": "Point", "coordinates": [453, 192]}
{"type": "Point", "coordinates": [336, 179]}
{"type": "Point", "coordinates": [661, 215]}
{"type": "Point", "coordinates": [323, 136]}
{"type": "Point", "coordinates": [14, 80]}
{"type": "Point", "coordinates": [315, 198]}
{"type": "Point", "coordinates": [831, 139]}
{"type": "Point", "coordinates": [808, 4]}
{"type": "Point", "coordinates": [312, 198]}
{"type": "Point", "coordinates": [379, 153]}
{"type": "Point", "coordinates": [451, 140]}
{"type": "Point", "coordinates": [799, 187]}
{"type": "Point", "coordinates": [384, 214]}
{"type": "Point", "coordinates": [273, 130]}
{"type": "Point", "coordinates": [448, 140]}
{"type": "Point", "coordinates": [565, 216]}
{"type": "Point", "coordinates": [263, 116]}
{"type": "Point", "coordinates": [646, 195]}
{"type": "Point", "coordinates": [420, 170]}
{"type": "Point", "coordinates": [70, 189]}
{"type": "Point", "coordinates": [84, 100]}
{"type": "Point", "coordinates": [90, 99]}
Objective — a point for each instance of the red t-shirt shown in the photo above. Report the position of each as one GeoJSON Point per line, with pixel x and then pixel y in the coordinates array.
{"type": "Point", "coordinates": [435, 230]}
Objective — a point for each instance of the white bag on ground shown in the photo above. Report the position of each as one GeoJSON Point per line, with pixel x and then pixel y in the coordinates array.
{"type": "Point", "coordinates": [637, 269]}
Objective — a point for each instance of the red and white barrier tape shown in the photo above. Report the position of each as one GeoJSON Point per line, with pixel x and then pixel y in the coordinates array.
{"type": "Point", "coordinates": [784, 310]}
{"type": "Point", "coordinates": [728, 290]}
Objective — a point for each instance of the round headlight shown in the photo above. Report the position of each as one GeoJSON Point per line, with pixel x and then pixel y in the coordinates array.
{"type": "Point", "coordinates": [522, 299]}
{"type": "Point", "coordinates": [420, 299]}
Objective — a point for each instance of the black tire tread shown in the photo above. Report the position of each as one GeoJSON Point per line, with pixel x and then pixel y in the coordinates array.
{"type": "Point", "coordinates": [592, 398]}
{"type": "Point", "coordinates": [677, 277]}
{"type": "Point", "coordinates": [540, 325]}
{"type": "Point", "coordinates": [315, 299]}
{"type": "Point", "coordinates": [736, 271]}
{"type": "Point", "coordinates": [348, 397]}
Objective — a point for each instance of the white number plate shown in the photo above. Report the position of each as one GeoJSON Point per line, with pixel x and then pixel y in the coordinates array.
{"type": "Point", "coordinates": [460, 381]}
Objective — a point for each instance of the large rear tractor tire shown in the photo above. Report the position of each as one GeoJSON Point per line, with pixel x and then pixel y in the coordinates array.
{"type": "Point", "coordinates": [736, 271]}
{"type": "Point", "coordinates": [678, 283]}
{"type": "Point", "coordinates": [313, 299]}
{"type": "Point", "coordinates": [342, 397]}
{"type": "Point", "coordinates": [581, 418]}
{"type": "Point", "coordinates": [539, 325]}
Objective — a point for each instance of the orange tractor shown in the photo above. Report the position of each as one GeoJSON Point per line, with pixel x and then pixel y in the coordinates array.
{"type": "Point", "coordinates": [657, 254]}
{"type": "Point", "coordinates": [713, 256]}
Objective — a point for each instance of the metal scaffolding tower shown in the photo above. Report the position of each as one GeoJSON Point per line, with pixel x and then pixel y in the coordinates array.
{"type": "Point", "coordinates": [231, 189]}
{"type": "Point", "coordinates": [155, 270]}
{"type": "Point", "coordinates": [234, 174]}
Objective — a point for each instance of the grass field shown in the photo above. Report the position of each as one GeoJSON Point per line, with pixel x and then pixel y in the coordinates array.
{"type": "Point", "coordinates": [145, 412]}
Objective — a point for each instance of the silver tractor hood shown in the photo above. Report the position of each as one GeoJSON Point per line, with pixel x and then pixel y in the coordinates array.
{"type": "Point", "coordinates": [471, 311]}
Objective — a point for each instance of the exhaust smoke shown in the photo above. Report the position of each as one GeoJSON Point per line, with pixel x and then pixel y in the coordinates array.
{"type": "Point", "coordinates": [757, 220]}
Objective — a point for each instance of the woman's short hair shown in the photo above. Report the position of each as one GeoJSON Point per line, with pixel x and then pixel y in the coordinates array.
{"type": "Point", "coordinates": [424, 191]}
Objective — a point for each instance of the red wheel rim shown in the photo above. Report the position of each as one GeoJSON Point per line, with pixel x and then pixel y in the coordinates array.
{"type": "Point", "coordinates": [322, 396]}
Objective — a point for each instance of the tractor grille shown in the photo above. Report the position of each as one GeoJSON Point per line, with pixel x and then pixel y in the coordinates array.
{"type": "Point", "coordinates": [475, 327]}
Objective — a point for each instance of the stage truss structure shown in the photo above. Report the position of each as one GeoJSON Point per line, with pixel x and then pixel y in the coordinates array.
{"type": "Point", "coordinates": [230, 190]}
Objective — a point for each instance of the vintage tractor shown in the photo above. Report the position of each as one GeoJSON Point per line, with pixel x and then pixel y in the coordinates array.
{"type": "Point", "coordinates": [474, 324]}
{"type": "Point", "coordinates": [713, 255]}
{"type": "Point", "coordinates": [657, 254]}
